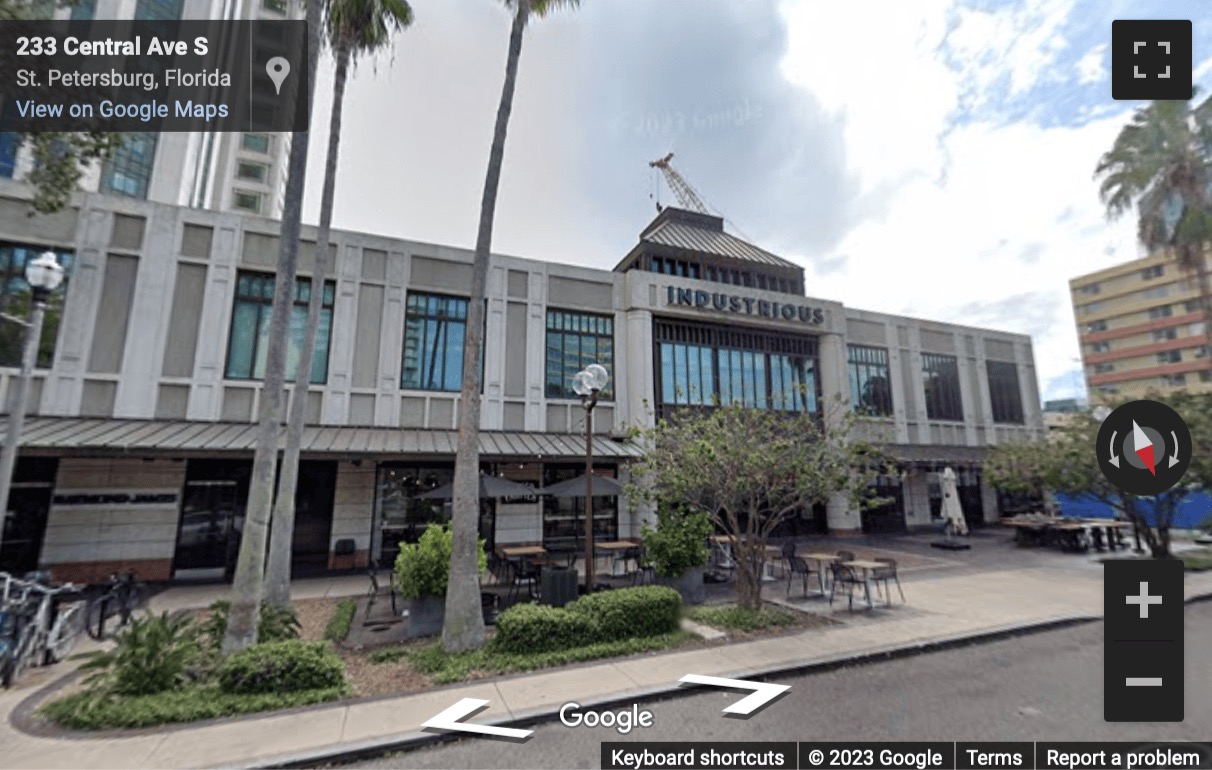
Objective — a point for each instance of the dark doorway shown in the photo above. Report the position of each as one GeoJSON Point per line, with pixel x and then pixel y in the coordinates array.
{"type": "Point", "coordinates": [888, 517]}
{"type": "Point", "coordinates": [24, 526]}
{"type": "Point", "coordinates": [212, 518]}
{"type": "Point", "coordinates": [969, 488]}
{"type": "Point", "coordinates": [804, 522]}
{"type": "Point", "coordinates": [314, 498]}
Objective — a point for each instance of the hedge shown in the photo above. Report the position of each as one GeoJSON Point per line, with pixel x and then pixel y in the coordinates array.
{"type": "Point", "coordinates": [527, 628]}
{"type": "Point", "coordinates": [281, 667]}
{"type": "Point", "coordinates": [627, 613]}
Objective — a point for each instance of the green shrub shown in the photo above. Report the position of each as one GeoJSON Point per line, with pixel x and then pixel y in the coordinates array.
{"type": "Point", "coordinates": [150, 656]}
{"type": "Point", "coordinates": [341, 621]}
{"type": "Point", "coordinates": [733, 618]}
{"type": "Point", "coordinates": [679, 542]}
{"type": "Point", "coordinates": [423, 568]}
{"type": "Point", "coordinates": [279, 667]}
{"type": "Point", "coordinates": [631, 612]}
{"type": "Point", "coordinates": [531, 628]}
{"type": "Point", "coordinates": [276, 624]}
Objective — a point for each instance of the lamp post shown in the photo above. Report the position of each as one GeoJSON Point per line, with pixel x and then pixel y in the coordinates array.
{"type": "Point", "coordinates": [587, 384]}
{"type": "Point", "coordinates": [43, 275]}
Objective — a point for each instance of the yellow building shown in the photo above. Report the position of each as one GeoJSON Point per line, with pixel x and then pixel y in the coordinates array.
{"type": "Point", "coordinates": [1141, 329]}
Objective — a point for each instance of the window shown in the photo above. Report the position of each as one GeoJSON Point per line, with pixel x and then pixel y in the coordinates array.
{"type": "Point", "coordinates": [1156, 271]}
{"type": "Point", "coordinates": [1090, 288]}
{"type": "Point", "coordinates": [1100, 347]}
{"type": "Point", "coordinates": [246, 200]}
{"type": "Point", "coordinates": [158, 10]}
{"type": "Point", "coordinates": [1174, 380]}
{"type": "Point", "coordinates": [1103, 368]}
{"type": "Point", "coordinates": [84, 10]}
{"type": "Point", "coordinates": [1205, 376]}
{"type": "Point", "coordinates": [1170, 357]}
{"type": "Point", "coordinates": [255, 143]}
{"type": "Point", "coordinates": [256, 172]}
{"type": "Point", "coordinates": [1108, 390]}
{"type": "Point", "coordinates": [940, 377]}
{"type": "Point", "coordinates": [277, 6]}
{"type": "Point", "coordinates": [128, 169]}
{"type": "Point", "coordinates": [870, 387]}
{"type": "Point", "coordinates": [574, 341]}
{"type": "Point", "coordinates": [1193, 306]}
{"type": "Point", "coordinates": [249, 346]}
{"type": "Point", "coordinates": [701, 365]}
{"type": "Point", "coordinates": [1092, 307]}
{"type": "Point", "coordinates": [1004, 393]}
{"type": "Point", "coordinates": [1097, 326]}
{"type": "Point", "coordinates": [434, 329]}
{"type": "Point", "coordinates": [15, 300]}
{"type": "Point", "coordinates": [10, 143]}
{"type": "Point", "coordinates": [1163, 311]}
{"type": "Point", "coordinates": [1162, 335]}
{"type": "Point", "coordinates": [1157, 292]}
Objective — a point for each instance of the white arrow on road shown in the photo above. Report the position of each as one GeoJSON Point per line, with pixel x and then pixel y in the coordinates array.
{"type": "Point", "coordinates": [763, 692]}
{"type": "Point", "coordinates": [449, 720]}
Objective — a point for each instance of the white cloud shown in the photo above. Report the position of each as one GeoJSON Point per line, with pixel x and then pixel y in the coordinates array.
{"type": "Point", "coordinates": [1090, 67]}
{"type": "Point", "coordinates": [1017, 212]}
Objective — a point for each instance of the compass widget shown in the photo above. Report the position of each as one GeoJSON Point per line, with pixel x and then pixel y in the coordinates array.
{"type": "Point", "coordinates": [1144, 447]}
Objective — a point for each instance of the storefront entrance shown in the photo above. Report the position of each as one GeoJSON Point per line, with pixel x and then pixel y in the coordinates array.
{"type": "Point", "coordinates": [888, 517]}
{"type": "Point", "coordinates": [24, 526]}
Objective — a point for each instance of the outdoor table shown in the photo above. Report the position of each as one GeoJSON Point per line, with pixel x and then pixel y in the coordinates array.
{"type": "Point", "coordinates": [867, 568]}
{"type": "Point", "coordinates": [614, 547]}
{"type": "Point", "coordinates": [821, 560]}
{"type": "Point", "coordinates": [519, 551]}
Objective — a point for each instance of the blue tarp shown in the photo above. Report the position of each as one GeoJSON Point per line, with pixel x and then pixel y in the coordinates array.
{"type": "Point", "coordinates": [1194, 510]}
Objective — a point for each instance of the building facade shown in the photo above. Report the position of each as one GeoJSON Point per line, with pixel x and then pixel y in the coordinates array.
{"type": "Point", "coordinates": [232, 171]}
{"type": "Point", "coordinates": [139, 448]}
{"type": "Point", "coordinates": [1141, 329]}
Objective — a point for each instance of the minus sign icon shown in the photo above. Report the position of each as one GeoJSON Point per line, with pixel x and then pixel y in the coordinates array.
{"type": "Point", "coordinates": [1144, 681]}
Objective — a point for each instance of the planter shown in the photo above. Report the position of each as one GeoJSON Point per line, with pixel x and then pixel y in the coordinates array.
{"type": "Point", "coordinates": [425, 617]}
{"type": "Point", "coordinates": [689, 584]}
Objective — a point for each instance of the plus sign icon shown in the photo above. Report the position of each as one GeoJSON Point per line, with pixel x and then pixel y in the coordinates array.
{"type": "Point", "coordinates": [1151, 59]}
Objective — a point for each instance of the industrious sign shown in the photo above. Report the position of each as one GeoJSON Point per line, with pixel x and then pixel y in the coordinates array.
{"type": "Point", "coordinates": [732, 303]}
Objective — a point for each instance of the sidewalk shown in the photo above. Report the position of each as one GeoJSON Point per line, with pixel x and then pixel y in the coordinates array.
{"type": "Point", "coordinates": [940, 609]}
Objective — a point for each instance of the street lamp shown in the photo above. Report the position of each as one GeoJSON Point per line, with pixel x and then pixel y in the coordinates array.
{"type": "Point", "coordinates": [587, 384]}
{"type": "Point", "coordinates": [43, 275]}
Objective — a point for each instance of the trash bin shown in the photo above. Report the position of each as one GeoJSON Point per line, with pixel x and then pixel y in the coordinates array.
{"type": "Point", "coordinates": [559, 587]}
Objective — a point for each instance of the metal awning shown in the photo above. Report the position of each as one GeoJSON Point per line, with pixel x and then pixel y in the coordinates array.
{"type": "Point", "coordinates": [927, 454]}
{"type": "Point", "coordinates": [56, 435]}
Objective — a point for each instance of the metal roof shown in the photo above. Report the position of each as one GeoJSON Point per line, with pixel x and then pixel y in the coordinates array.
{"type": "Point", "coordinates": [124, 436]}
{"type": "Point", "coordinates": [680, 235]}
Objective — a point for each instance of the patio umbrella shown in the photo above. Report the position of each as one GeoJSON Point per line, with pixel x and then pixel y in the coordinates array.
{"type": "Point", "coordinates": [603, 486]}
{"type": "Point", "coordinates": [490, 486]}
{"type": "Point", "coordinates": [952, 511]}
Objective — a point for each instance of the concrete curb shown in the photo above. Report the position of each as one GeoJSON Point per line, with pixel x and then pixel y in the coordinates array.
{"type": "Point", "coordinates": [353, 752]}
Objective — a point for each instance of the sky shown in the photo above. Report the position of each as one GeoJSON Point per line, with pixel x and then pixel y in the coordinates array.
{"type": "Point", "coordinates": [931, 158]}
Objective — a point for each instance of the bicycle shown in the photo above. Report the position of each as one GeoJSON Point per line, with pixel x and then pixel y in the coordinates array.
{"type": "Point", "coordinates": [39, 625]}
{"type": "Point", "coordinates": [122, 595]}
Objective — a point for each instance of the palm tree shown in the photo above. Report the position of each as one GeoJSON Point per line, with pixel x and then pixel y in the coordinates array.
{"type": "Point", "coordinates": [1161, 164]}
{"type": "Point", "coordinates": [354, 28]}
{"type": "Point", "coordinates": [463, 628]}
{"type": "Point", "coordinates": [250, 565]}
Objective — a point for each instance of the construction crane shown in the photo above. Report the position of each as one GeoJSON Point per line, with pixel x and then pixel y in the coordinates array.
{"type": "Point", "coordinates": [681, 188]}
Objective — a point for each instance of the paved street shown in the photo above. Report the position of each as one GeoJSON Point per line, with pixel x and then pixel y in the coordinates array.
{"type": "Point", "coordinates": [1043, 687]}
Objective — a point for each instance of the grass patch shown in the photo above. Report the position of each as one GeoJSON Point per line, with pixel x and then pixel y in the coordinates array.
{"type": "Point", "coordinates": [733, 618]}
{"type": "Point", "coordinates": [341, 621]}
{"type": "Point", "coordinates": [444, 668]}
{"type": "Point", "coordinates": [93, 711]}
{"type": "Point", "coordinates": [1197, 561]}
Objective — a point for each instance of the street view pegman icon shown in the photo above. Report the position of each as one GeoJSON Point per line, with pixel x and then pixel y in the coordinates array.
{"type": "Point", "coordinates": [278, 68]}
{"type": "Point", "coordinates": [1151, 59]}
{"type": "Point", "coordinates": [1144, 447]}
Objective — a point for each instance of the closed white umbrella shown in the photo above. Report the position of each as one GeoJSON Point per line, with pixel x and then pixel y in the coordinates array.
{"type": "Point", "coordinates": [953, 513]}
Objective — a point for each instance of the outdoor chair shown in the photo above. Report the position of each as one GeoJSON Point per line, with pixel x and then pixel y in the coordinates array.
{"type": "Point", "coordinates": [788, 555]}
{"type": "Point", "coordinates": [523, 572]}
{"type": "Point", "coordinates": [489, 603]}
{"type": "Point", "coordinates": [886, 573]}
{"type": "Point", "coordinates": [843, 575]}
{"type": "Point", "coordinates": [845, 556]}
{"type": "Point", "coordinates": [629, 557]}
{"type": "Point", "coordinates": [722, 562]}
{"type": "Point", "coordinates": [497, 573]}
{"type": "Point", "coordinates": [798, 566]}
{"type": "Point", "coordinates": [373, 594]}
{"type": "Point", "coordinates": [644, 569]}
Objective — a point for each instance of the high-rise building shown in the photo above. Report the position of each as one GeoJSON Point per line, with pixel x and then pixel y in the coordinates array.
{"type": "Point", "coordinates": [232, 171]}
{"type": "Point", "coordinates": [1142, 329]}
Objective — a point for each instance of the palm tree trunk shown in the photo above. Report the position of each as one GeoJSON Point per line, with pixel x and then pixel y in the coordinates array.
{"type": "Point", "coordinates": [250, 565]}
{"type": "Point", "coordinates": [463, 628]}
{"type": "Point", "coordinates": [277, 588]}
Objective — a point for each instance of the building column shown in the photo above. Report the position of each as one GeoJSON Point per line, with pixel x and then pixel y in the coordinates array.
{"type": "Point", "coordinates": [841, 515]}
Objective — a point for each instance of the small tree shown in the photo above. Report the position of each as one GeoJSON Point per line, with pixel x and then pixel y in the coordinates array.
{"type": "Point", "coordinates": [1067, 463]}
{"type": "Point", "coordinates": [750, 470]}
